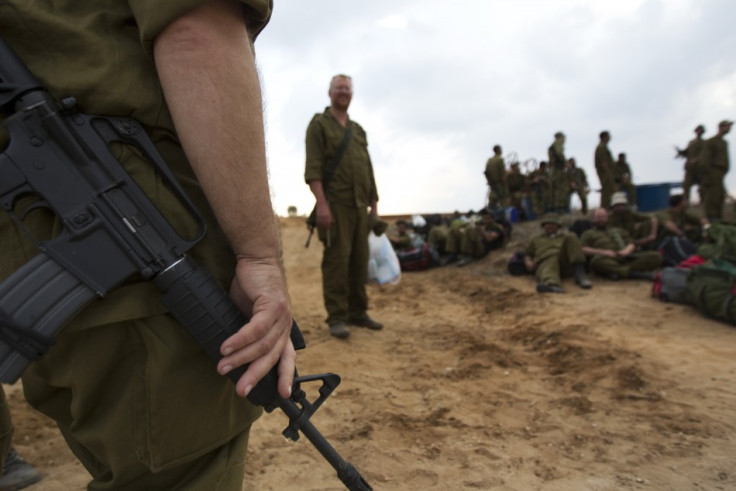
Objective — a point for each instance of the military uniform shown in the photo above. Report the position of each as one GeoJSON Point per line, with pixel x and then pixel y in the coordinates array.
{"type": "Point", "coordinates": [581, 187]}
{"type": "Point", "coordinates": [637, 225]}
{"type": "Point", "coordinates": [137, 400]}
{"type": "Point", "coordinates": [615, 239]}
{"type": "Point", "coordinates": [686, 221]}
{"type": "Point", "coordinates": [469, 241]}
{"type": "Point", "coordinates": [693, 169]}
{"type": "Point", "coordinates": [605, 176]}
{"type": "Point", "coordinates": [623, 180]}
{"type": "Point", "coordinates": [554, 256]}
{"type": "Point", "coordinates": [349, 193]}
{"type": "Point", "coordinates": [714, 163]}
{"type": "Point", "coordinates": [539, 189]}
{"type": "Point", "coordinates": [558, 182]}
{"type": "Point", "coordinates": [496, 178]}
{"type": "Point", "coordinates": [517, 188]}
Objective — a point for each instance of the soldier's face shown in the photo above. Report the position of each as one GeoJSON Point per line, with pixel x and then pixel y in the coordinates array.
{"type": "Point", "coordinates": [550, 228]}
{"type": "Point", "coordinates": [341, 93]}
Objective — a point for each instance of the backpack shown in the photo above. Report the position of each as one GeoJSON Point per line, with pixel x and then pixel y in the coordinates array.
{"type": "Point", "coordinates": [721, 242]}
{"type": "Point", "coordinates": [712, 289]}
{"type": "Point", "coordinates": [670, 285]}
{"type": "Point", "coordinates": [417, 258]}
{"type": "Point", "coordinates": [674, 250]}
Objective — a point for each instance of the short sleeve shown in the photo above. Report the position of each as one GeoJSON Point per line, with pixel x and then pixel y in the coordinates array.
{"type": "Point", "coordinates": [153, 16]}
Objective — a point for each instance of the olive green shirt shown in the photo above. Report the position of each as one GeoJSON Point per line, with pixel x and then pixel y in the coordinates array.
{"type": "Point", "coordinates": [620, 170]}
{"type": "Point", "coordinates": [605, 239]}
{"type": "Point", "coordinates": [715, 154]}
{"type": "Point", "coordinates": [516, 182]}
{"type": "Point", "coordinates": [627, 220]}
{"type": "Point", "coordinates": [556, 154]}
{"type": "Point", "coordinates": [495, 171]}
{"type": "Point", "coordinates": [353, 183]}
{"type": "Point", "coordinates": [693, 150]}
{"type": "Point", "coordinates": [602, 156]}
{"type": "Point", "coordinates": [684, 220]}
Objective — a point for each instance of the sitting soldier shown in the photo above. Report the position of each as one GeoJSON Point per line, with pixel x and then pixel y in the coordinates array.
{"type": "Point", "coordinates": [401, 239]}
{"type": "Point", "coordinates": [613, 252]}
{"type": "Point", "coordinates": [641, 227]}
{"type": "Point", "coordinates": [553, 254]}
{"type": "Point", "coordinates": [476, 240]}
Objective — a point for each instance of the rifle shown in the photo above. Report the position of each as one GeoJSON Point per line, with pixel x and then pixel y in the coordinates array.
{"type": "Point", "coordinates": [112, 232]}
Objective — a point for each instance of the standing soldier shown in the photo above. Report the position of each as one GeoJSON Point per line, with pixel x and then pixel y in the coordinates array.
{"type": "Point", "coordinates": [517, 186]}
{"type": "Point", "coordinates": [496, 177]}
{"type": "Point", "coordinates": [539, 189]}
{"type": "Point", "coordinates": [603, 163]}
{"type": "Point", "coordinates": [714, 162]}
{"type": "Point", "coordinates": [559, 187]}
{"type": "Point", "coordinates": [578, 184]}
{"type": "Point", "coordinates": [693, 171]}
{"type": "Point", "coordinates": [622, 178]}
{"type": "Point", "coordinates": [343, 218]}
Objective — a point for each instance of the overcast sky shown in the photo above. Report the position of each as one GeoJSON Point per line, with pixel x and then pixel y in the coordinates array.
{"type": "Point", "coordinates": [438, 83]}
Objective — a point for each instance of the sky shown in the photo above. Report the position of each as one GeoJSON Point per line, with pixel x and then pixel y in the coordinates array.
{"type": "Point", "coordinates": [437, 84]}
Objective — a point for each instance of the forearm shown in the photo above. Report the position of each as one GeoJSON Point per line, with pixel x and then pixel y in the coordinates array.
{"type": "Point", "coordinates": [209, 79]}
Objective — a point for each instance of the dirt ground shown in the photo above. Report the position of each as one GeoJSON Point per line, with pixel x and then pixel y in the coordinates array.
{"type": "Point", "coordinates": [478, 382]}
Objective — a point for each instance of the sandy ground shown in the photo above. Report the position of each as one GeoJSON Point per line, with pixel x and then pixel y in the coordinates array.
{"type": "Point", "coordinates": [477, 382]}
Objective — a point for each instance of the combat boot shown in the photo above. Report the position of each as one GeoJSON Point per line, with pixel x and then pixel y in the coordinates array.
{"type": "Point", "coordinates": [580, 278]}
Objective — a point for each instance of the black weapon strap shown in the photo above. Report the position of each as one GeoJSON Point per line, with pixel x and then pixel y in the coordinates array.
{"type": "Point", "coordinates": [337, 157]}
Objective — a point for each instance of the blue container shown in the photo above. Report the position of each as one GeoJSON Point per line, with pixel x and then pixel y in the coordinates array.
{"type": "Point", "coordinates": [652, 197]}
{"type": "Point", "coordinates": [512, 214]}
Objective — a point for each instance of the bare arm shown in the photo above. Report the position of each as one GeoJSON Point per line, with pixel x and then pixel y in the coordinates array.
{"type": "Point", "coordinates": [209, 78]}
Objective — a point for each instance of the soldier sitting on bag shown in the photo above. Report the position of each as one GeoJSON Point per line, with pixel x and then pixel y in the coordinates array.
{"type": "Point", "coordinates": [613, 252]}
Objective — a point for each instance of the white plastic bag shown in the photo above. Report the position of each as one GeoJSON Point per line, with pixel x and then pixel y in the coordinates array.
{"type": "Point", "coordinates": [383, 264]}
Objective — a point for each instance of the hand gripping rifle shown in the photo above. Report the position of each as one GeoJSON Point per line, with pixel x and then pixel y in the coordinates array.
{"type": "Point", "coordinates": [60, 157]}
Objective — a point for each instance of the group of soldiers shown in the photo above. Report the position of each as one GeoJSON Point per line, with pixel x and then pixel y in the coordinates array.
{"type": "Point", "coordinates": [706, 165]}
{"type": "Point", "coordinates": [550, 185]}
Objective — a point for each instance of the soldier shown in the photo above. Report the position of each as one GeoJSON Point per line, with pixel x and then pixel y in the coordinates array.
{"type": "Point", "coordinates": [559, 186]}
{"type": "Point", "coordinates": [613, 253]}
{"type": "Point", "coordinates": [578, 184]}
{"type": "Point", "coordinates": [622, 178]}
{"type": "Point", "coordinates": [343, 218]}
{"type": "Point", "coordinates": [517, 186]}
{"type": "Point", "coordinates": [693, 171]}
{"type": "Point", "coordinates": [539, 189]}
{"type": "Point", "coordinates": [553, 254]}
{"type": "Point", "coordinates": [475, 240]}
{"type": "Point", "coordinates": [641, 227]}
{"type": "Point", "coordinates": [715, 163]}
{"type": "Point", "coordinates": [603, 166]}
{"type": "Point", "coordinates": [496, 178]}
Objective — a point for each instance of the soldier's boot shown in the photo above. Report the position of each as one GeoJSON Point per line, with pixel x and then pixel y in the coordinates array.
{"type": "Point", "coordinates": [580, 278]}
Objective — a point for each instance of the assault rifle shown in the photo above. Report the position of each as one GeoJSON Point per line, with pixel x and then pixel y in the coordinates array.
{"type": "Point", "coordinates": [61, 159]}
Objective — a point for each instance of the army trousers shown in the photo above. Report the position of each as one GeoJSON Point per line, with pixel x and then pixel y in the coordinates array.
{"type": "Point", "coordinates": [620, 267]}
{"type": "Point", "coordinates": [345, 264]}
{"type": "Point", "coordinates": [142, 407]}
{"type": "Point", "coordinates": [714, 193]}
{"type": "Point", "coordinates": [550, 269]}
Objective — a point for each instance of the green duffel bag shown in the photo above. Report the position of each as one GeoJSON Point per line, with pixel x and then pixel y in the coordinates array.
{"type": "Point", "coordinates": [712, 289]}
